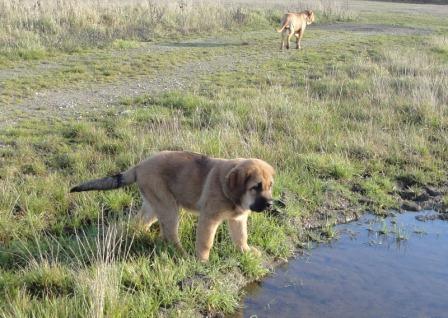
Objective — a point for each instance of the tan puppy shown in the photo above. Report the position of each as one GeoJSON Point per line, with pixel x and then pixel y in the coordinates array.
{"type": "Point", "coordinates": [295, 24]}
{"type": "Point", "coordinates": [218, 189]}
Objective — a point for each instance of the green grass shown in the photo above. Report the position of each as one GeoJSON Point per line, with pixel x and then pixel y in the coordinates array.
{"type": "Point", "coordinates": [345, 123]}
{"type": "Point", "coordinates": [424, 21]}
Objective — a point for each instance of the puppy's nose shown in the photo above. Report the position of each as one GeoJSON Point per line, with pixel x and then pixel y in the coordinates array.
{"type": "Point", "coordinates": [269, 203]}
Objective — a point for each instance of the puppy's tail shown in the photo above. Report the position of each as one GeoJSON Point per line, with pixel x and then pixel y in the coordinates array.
{"type": "Point", "coordinates": [108, 183]}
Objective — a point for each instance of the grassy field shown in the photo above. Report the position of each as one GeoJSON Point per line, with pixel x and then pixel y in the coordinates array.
{"type": "Point", "coordinates": [356, 116]}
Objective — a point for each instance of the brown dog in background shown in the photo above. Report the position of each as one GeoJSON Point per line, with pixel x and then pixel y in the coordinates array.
{"type": "Point", "coordinates": [295, 24]}
{"type": "Point", "coordinates": [218, 189]}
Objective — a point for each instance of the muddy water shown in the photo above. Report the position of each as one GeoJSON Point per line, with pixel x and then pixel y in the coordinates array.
{"type": "Point", "coordinates": [396, 267]}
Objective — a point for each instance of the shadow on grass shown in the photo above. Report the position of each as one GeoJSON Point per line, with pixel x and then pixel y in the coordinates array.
{"type": "Point", "coordinates": [374, 28]}
{"type": "Point", "coordinates": [206, 44]}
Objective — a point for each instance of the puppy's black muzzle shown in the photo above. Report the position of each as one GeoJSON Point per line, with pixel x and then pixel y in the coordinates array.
{"type": "Point", "coordinates": [262, 204]}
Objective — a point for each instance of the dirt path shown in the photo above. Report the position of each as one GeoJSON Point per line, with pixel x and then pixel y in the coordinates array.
{"type": "Point", "coordinates": [74, 102]}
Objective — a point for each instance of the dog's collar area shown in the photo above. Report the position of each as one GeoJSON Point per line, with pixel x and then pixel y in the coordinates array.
{"type": "Point", "coordinates": [228, 195]}
{"type": "Point", "coordinates": [236, 205]}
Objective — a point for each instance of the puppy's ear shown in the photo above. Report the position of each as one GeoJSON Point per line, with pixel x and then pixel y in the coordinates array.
{"type": "Point", "coordinates": [236, 184]}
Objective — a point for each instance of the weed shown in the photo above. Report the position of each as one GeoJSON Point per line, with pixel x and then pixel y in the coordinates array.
{"type": "Point", "coordinates": [384, 230]}
{"type": "Point", "coordinates": [399, 232]}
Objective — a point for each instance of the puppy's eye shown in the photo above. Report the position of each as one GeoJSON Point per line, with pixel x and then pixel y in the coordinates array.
{"type": "Point", "coordinates": [257, 187]}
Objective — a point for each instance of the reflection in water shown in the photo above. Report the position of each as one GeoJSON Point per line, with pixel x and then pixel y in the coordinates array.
{"type": "Point", "coordinates": [396, 267]}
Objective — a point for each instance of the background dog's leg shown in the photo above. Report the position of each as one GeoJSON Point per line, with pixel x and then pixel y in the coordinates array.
{"type": "Point", "coordinates": [205, 234]}
{"type": "Point", "coordinates": [283, 40]}
{"type": "Point", "coordinates": [238, 233]}
{"type": "Point", "coordinates": [290, 34]}
{"type": "Point", "coordinates": [299, 38]}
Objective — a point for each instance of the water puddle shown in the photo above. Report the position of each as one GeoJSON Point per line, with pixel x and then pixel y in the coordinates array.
{"type": "Point", "coordinates": [394, 267]}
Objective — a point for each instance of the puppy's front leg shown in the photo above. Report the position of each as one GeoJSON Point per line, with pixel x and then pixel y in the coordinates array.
{"type": "Point", "coordinates": [238, 233]}
{"type": "Point", "coordinates": [205, 234]}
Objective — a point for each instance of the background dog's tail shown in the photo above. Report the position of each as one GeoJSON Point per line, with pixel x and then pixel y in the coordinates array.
{"type": "Point", "coordinates": [108, 183]}
{"type": "Point", "coordinates": [283, 27]}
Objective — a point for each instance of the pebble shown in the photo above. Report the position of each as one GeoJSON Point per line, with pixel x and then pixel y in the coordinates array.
{"type": "Point", "coordinates": [410, 206]}
{"type": "Point", "coordinates": [432, 192]}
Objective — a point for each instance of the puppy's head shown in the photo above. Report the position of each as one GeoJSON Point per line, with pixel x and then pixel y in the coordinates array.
{"type": "Point", "coordinates": [249, 185]}
{"type": "Point", "coordinates": [309, 17]}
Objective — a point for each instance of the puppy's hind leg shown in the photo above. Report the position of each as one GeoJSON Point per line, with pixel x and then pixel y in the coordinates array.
{"type": "Point", "coordinates": [166, 211]}
{"type": "Point", "coordinates": [168, 215]}
{"type": "Point", "coordinates": [170, 229]}
{"type": "Point", "coordinates": [205, 235]}
{"type": "Point", "coordinates": [146, 216]}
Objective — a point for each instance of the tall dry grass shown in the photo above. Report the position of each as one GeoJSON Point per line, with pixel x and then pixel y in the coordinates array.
{"type": "Point", "coordinates": [31, 28]}
{"type": "Point", "coordinates": [328, 10]}
{"type": "Point", "coordinates": [90, 271]}
{"type": "Point", "coordinates": [70, 25]}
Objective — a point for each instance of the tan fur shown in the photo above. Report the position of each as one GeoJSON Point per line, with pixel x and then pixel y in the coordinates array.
{"type": "Point", "coordinates": [218, 189]}
{"type": "Point", "coordinates": [295, 24]}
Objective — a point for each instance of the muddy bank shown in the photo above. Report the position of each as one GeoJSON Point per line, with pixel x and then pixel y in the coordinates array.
{"type": "Point", "coordinates": [339, 210]}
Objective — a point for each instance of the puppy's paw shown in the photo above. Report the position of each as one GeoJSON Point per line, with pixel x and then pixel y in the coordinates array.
{"type": "Point", "coordinates": [255, 251]}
